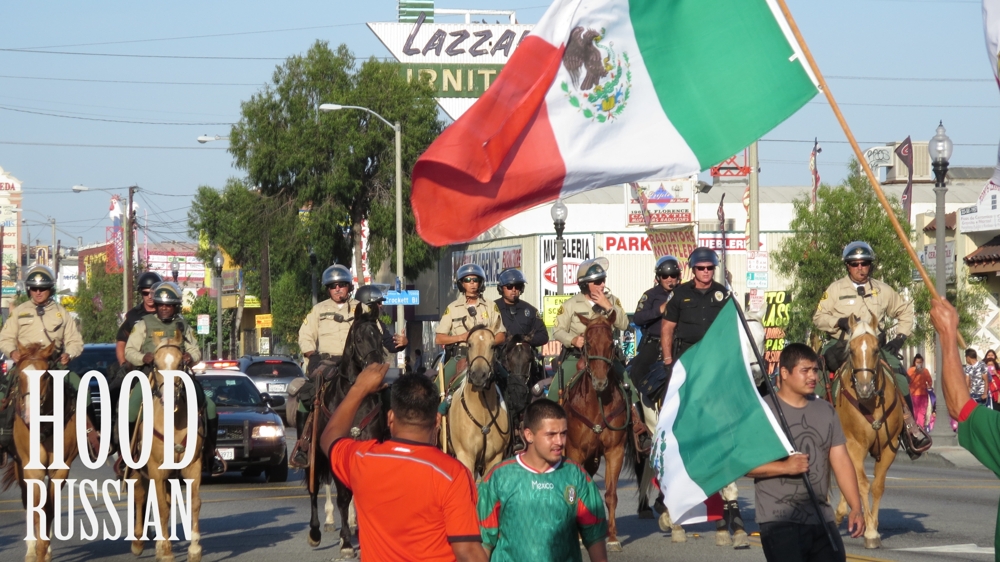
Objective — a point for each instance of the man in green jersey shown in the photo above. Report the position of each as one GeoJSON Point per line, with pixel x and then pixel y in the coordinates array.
{"type": "Point", "coordinates": [535, 505]}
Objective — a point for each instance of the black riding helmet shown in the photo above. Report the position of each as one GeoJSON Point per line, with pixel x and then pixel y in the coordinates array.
{"type": "Point", "coordinates": [703, 255]}
{"type": "Point", "coordinates": [666, 266]}
{"type": "Point", "coordinates": [369, 294]}
{"type": "Point", "coordinates": [510, 276]}
{"type": "Point", "coordinates": [147, 280]}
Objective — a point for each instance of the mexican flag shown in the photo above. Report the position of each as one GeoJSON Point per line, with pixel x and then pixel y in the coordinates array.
{"type": "Point", "coordinates": [714, 426]}
{"type": "Point", "coordinates": [606, 92]}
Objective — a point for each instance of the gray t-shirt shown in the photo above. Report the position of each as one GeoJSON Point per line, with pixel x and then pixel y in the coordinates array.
{"type": "Point", "coordinates": [815, 430]}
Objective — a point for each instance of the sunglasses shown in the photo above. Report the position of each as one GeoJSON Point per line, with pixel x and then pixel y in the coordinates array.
{"type": "Point", "coordinates": [36, 289]}
{"type": "Point", "coordinates": [704, 267]}
{"type": "Point", "coordinates": [671, 276]}
{"type": "Point", "coordinates": [856, 264]}
{"type": "Point", "coordinates": [146, 293]}
{"type": "Point", "coordinates": [598, 282]}
{"type": "Point", "coordinates": [470, 280]}
{"type": "Point", "coordinates": [338, 285]}
{"type": "Point", "coordinates": [512, 286]}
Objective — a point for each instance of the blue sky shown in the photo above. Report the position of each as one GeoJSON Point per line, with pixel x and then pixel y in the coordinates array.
{"type": "Point", "coordinates": [939, 42]}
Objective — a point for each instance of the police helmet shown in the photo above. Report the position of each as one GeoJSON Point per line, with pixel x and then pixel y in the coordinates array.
{"type": "Point", "coordinates": [667, 265]}
{"type": "Point", "coordinates": [369, 294]}
{"type": "Point", "coordinates": [167, 292]}
{"type": "Point", "coordinates": [470, 270]}
{"type": "Point", "coordinates": [40, 277]}
{"type": "Point", "coordinates": [858, 251]}
{"type": "Point", "coordinates": [510, 276]}
{"type": "Point", "coordinates": [337, 273]}
{"type": "Point", "coordinates": [703, 255]}
{"type": "Point", "coordinates": [591, 270]}
{"type": "Point", "coordinates": [147, 280]}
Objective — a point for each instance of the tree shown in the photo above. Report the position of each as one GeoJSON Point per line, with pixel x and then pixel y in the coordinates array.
{"type": "Point", "coordinates": [292, 301]}
{"type": "Point", "coordinates": [98, 305]}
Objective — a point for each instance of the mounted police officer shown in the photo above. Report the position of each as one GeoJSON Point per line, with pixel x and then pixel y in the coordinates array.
{"type": "Point", "coordinates": [147, 334]}
{"type": "Point", "coordinates": [593, 299]}
{"type": "Point", "coordinates": [692, 308]}
{"type": "Point", "coordinates": [43, 321]}
{"type": "Point", "coordinates": [144, 286]}
{"type": "Point", "coordinates": [648, 317]}
{"type": "Point", "coordinates": [322, 338]}
{"type": "Point", "coordinates": [470, 309]}
{"type": "Point", "coordinates": [858, 294]}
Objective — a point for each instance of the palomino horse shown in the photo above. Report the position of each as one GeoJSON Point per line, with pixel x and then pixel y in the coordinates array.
{"type": "Point", "coordinates": [872, 419]}
{"type": "Point", "coordinates": [480, 425]}
{"type": "Point", "coordinates": [599, 415]}
{"type": "Point", "coordinates": [363, 348]}
{"type": "Point", "coordinates": [168, 356]}
{"type": "Point", "coordinates": [35, 357]}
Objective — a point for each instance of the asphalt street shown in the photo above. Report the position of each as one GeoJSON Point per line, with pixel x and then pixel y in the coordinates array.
{"type": "Point", "coordinates": [930, 512]}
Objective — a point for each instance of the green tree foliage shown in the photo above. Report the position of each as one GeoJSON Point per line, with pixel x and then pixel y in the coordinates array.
{"type": "Point", "coordinates": [98, 305]}
{"type": "Point", "coordinates": [202, 305]}
{"type": "Point", "coordinates": [970, 301]}
{"type": "Point", "coordinates": [291, 301]}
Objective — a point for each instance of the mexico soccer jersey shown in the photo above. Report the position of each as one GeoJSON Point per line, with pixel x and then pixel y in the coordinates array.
{"type": "Point", "coordinates": [527, 515]}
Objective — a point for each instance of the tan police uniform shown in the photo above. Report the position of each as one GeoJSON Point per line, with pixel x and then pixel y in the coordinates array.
{"type": "Point", "coordinates": [147, 333]}
{"type": "Point", "coordinates": [26, 327]}
{"type": "Point", "coordinates": [568, 324]}
{"type": "Point", "coordinates": [457, 321]}
{"type": "Point", "coordinates": [841, 300]}
{"type": "Point", "coordinates": [323, 332]}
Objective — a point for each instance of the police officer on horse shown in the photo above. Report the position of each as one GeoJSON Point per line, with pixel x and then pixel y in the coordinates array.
{"type": "Point", "coordinates": [858, 294]}
{"type": "Point", "coordinates": [648, 317]}
{"type": "Point", "coordinates": [469, 310]}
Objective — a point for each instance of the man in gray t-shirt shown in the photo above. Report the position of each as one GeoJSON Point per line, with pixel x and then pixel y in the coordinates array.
{"type": "Point", "coordinates": [790, 528]}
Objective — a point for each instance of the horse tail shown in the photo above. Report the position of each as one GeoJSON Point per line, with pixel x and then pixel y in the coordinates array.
{"type": "Point", "coordinates": [9, 477]}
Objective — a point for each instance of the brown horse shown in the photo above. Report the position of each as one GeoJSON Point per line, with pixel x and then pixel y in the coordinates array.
{"type": "Point", "coordinates": [36, 357]}
{"type": "Point", "coordinates": [599, 421]}
{"type": "Point", "coordinates": [480, 424]}
{"type": "Point", "coordinates": [872, 419]}
{"type": "Point", "coordinates": [168, 356]}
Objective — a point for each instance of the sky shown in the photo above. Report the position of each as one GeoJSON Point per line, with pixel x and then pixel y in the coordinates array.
{"type": "Point", "coordinates": [129, 111]}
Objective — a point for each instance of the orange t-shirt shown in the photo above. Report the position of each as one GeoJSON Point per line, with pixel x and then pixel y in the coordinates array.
{"type": "Point", "coordinates": [919, 381]}
{"type": "Point", "coordinates": [412, 500]}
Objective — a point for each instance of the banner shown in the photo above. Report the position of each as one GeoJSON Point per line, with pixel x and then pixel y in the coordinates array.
{"type": "Point", "coordinates": [678, 243]}
{"type": "Point", "coordinates": [775, 320]}
{"type": "Point", "coordinates": [577, 248]}
{"type": "Point", "coordinates": [905, 153]}
{"type": "Point", "coordinates": [660, 202]}
{"type": "Point", "coordinates": [492, 260]}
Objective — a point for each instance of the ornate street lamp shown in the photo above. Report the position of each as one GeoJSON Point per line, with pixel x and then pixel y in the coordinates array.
{"type": "Point", "coordinates": [559, 213]}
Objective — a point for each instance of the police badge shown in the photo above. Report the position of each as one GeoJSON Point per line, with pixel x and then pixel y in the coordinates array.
{"type": "Point", "coordinates": [718, 295]}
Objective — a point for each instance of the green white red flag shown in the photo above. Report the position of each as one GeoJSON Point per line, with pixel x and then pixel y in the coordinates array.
{"type": "Point", "coordinates": [714, 426]}
{"type": "Point", "coordinates": [606, 92]}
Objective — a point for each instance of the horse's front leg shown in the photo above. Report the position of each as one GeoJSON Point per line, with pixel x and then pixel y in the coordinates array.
{"type": "Point", "coordinates": [857, 452]}
{"type": "Point", "coordinates": [343, 506]}
{"type": "Point", "coordinates": [164, 551]}
{"type": "Point", "coordinates": [872, 537]}
{"type": "Point", "coordinates": [314, 535]}
{"type": "Point", "coordinates": [193, 472]}
{"type": "Point", "coordinates": [614, 458]}
{"type": "Point", "coordinates": [139, 497]}
{"type": "Point", "coordinates": [329, 524]}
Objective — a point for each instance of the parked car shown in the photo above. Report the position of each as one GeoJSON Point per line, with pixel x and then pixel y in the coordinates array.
{"type": "Point", "coordinates": [251, 433]}
{"type": "Point", "coordinates": [98, 357]}
{"type": "Point", "coordinates": [271, 373]}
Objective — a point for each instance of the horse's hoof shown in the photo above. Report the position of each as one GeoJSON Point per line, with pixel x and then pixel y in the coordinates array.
{"type": "Point", "coordinates": [646, 513]}
{"type": "Point", "coordinates": [740, 540]}
{"type": "Point", "coordinates": [137, 547]}
{"type": "Point", "coordinates": [330, 527]}
{"type": "Point", "coordinates": [614, 546]}
{"type": "Point", "coordinates": [347, 553]}
{"type": "Point", "coordinates": [665, 523]}
{"type": "Point", "coordinates": [873, 543]}
{"type": "Point", "coordinates": [194, 556]}
{"type": "Point", "coordinates": [678, 534]}
{"type": "Point", "coordinates": [314, 536]}
{"type": "Point", "coordinates": [722, 538]}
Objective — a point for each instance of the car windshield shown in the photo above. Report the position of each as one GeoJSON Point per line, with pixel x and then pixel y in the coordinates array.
{"type": "Point", "coordinates": [231, 391]}
{"type": "Point", "coordinates": [100, 359]}
{"type": "Point", "coordinates": [277, 369]}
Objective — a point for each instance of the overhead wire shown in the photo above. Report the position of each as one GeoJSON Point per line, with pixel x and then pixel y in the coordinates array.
{"type": "Point", "coordinates": [125, 146]}
{"type": "Point", "coordinates": [105, 120]}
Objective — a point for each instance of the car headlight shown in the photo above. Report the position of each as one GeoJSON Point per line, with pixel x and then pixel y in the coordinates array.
{"type": "Point", "coordinates": [267, 432]}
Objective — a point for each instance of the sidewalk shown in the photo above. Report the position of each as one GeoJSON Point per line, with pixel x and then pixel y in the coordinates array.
{"type": "Point", "coordinates": [946, 456]}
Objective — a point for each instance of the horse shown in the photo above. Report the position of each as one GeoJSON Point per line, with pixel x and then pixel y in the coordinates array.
{"type": "Point", "coordinates": [363, 348]}
{"type": "Point", "coordinates": [480, 428]}
{"type": "Point", "coordinates": [168, 356]}
{"type": "Point", "coordinates": [871, 417]}
{"type": "Point", "coordinates": [599, 415]}
{"type": "Point", "coordinates": [36, 357]}
{"type": "Point", "coordinates": [517, 357]}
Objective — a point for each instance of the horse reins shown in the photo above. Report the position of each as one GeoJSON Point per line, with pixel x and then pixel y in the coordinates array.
{"type": "Point", "coordinates": [598, 428]}
{"type": "Point", "coordinates": [876, 424]}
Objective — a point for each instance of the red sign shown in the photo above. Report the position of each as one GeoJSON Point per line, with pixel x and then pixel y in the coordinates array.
{"type": "Point", "coordinates": [632, 243]}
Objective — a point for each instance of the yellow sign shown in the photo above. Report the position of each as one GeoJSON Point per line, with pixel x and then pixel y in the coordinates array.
{"type": "Point", "coordinates": [550, 308]}
{"type": "Point", "coordinates": [263, 320]}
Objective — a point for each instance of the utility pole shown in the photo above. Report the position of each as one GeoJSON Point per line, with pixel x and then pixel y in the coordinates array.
{"type": "Point", "coordinates": [265, 275]}
{"type": "Point", "coordinates": [127, 253]}
{"type": "Point", "coordinates": [753, 238]}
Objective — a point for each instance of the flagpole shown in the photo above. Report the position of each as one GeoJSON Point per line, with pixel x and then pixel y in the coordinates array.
{"type": "Point", "coordinates": [860, 156]}
{"type": "Point", "coordinates": [783, 421]}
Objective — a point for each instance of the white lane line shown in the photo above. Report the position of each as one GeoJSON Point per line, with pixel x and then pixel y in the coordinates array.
{"type": "Point", "coordinates": [970, 548]}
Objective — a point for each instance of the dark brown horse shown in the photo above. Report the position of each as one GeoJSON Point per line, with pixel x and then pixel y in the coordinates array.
{"type": "Point", "coordinates": [363, 348]}
{"type": "Point", "coordinates": [36, 357]}
{"type": "Point", "coordinates": [598, 412]}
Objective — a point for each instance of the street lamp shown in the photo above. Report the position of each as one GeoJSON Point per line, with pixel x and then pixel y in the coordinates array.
{"type": "Point", "coordinates": [559, 213]}
{"type": "Point", "coordinates": [218, 262]}
{"type": "Point", "coordinates": [400, 328]}
{"type": "Point", "coordinates": [209, 138]}
{"type": "Point", "coordinates": [939, 148]}
{"type": "Point", "coordinates": [175, 268]}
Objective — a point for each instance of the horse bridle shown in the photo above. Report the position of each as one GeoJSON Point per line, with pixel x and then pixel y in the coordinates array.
{"type": "Point", "coordinates": [598, 428]}
{"type": "Point", "coordinates": [157, 390]}
{"type": "Point", "coordinates": [472, 360]}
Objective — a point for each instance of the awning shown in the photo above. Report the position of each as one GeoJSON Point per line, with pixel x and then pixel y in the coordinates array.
{"type": "Point", "coordinates": [986, 258]}
{"type": "Point", "coordinates": [949, 223]}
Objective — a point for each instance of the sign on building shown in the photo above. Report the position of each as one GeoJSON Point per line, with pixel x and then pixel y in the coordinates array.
{"type": "Point", "coordinates": [204, 324]}
{"type": "Point", "coordinates": [550, 308]}
{"type": "Point", "coordinates": [775, 321]}
{"type": "Point", "coordinates": [577, 248]}
{"type": "Point", "coordinates": [670, 202]}
{"type": "Point", "coordinates": [929, 258]}
{"type": "Point", "coordinates": [10, 253]}
{"type": "Point", "coordinates": [735, 241]}
{"type": "Point", "coordinates": [264, 320]}
{"type": "Point", "coordinates": [492, 260]}
{"type": "Point", "coordinates": [985, 214]}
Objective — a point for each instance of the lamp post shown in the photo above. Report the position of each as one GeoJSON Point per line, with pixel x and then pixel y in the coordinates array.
{"type": "Point", "coordinates": [939, 147]}
{"type": "Point", "coordinates": [175, 268]}
{"type": "Point", "coordinates": [559, 213]}
{"type": "Point", "coordinates": [400, 326]}
{"type": "Point", "coordinates": [217, 261]}
{"type": "Point", "coordinates": [209, 138]}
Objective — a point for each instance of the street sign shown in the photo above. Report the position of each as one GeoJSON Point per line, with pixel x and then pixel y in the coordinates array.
{"type": "Point", "coordinates": [550, 308]}
{"type": "Point", "coordinates": [405, 298]}
{"type": "Point", "coordinates": [755, 300]}
{"type": "Point", "coordinates": [265, 346]}
{"type": "Point", "coordinates": [263, 320]}
{"type": "Point", "coordinates": [756, 280]}
{"type": "Point", "coordinates": [204, 324]}
{"type": "Point", "coordinates": [757, 262]}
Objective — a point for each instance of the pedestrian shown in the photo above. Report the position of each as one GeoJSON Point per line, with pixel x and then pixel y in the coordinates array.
{"type": "Point", "coordinates": [978, 428]}
{"type": "Point", "coordinates": [994, 378]}
{"type": "Point", "coordinates": [535, 505]}
{"type": "Point", "coordinates": [790, 528]}
{"type": "Point", "coordinates": [920, 383]}
{"type": "Point", "coordinates": [414, 503]}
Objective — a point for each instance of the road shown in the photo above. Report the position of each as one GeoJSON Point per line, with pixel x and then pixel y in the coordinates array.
{"type": "Point", "coordinates": [926, 507]}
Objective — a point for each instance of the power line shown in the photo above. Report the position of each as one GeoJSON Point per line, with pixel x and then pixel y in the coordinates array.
{"type": "Point", "coordinates": [905, 105]}
{"type": "Point", "coordinates": [106, 107]}
{"type": "Point", "coordinates": [909, 79]}
{"type": "Point", "coordinates": [145, 82]}
{"type": "Point", "coordinates": [125, 146]}
{"type": "Point", "coordinates": [810, 141]}
{"type": "Point", "coordinates": [105, 120]}
{"type": "Point", "coordinates": [131, 56]}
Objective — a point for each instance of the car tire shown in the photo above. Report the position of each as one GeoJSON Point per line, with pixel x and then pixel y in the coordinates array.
{"type": "Point", "coordinates": [278, 472]}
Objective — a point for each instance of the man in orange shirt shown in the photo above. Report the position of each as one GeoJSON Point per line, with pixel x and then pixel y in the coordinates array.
{"type": "Point", "coordinates": [414, 502]}
{"type": "Point", "coordinates": [920, 381]}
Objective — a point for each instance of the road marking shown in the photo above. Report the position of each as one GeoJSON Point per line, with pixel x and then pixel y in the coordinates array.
{"type": "Point", "coordinates": [970, 548]}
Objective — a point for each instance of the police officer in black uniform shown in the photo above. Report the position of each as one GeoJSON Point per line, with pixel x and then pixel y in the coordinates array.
{"type": "Point", "coordinates": [519, 317]}
{"type": "Point", "coordinates": [648, 316]}
{"type": "Point", "coordinates": [143, 307]}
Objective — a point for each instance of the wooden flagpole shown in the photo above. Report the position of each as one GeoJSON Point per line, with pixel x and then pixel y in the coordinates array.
{"type": "Point", "coordinates": [861, 159]}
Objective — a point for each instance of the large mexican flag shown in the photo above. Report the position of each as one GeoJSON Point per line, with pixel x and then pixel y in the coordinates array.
{"type": "Point", "coordinates": [605, 92]}
{"type": "Point", "coordinates": [714, 427]}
